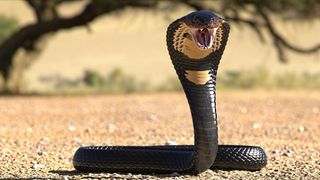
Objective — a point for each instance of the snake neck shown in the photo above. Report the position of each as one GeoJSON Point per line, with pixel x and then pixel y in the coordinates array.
{"type": "Point", "coordinates": [202, 103]}
{"type": "Point", "coordinates": [198, 78]}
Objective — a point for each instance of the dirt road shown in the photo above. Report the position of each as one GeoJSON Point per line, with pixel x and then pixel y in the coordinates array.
{"type": "Point", "coordinates": [38, 135]}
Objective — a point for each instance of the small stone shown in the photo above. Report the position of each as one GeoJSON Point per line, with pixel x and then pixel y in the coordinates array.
{"type": "Point", "coordinates": [174, 174]}
{"type": "Point", "coordinates": [37, 166]}
{"type": "Point", "coordinates": [275, 151]}
{"type": "Point", "coordinates": [71, 128]}
{"type": "Point", "coordinates": [302, 129]}
{"type": "Point", "coordinates": [152, 117]}
{"type": "Point", "coordinates": [256, 126]}
{"type": "Point", "coordinates": [45, 139]}
{"type": "Point", "coordinates": [287, 151]}
{"type": "Point", "coordinates": [111, 128]}
{"type": "Point", "coordinates": [171, 143]}
{"type": "Point", "coordinates": [61, 157]}
{"type": "Point", "coordinates": [77, 140]}
{"type": "Point", "coordinates": [29, 130]}
{"type": "Point", "coordinates": [42, 153]}
{"type": "Point", "coordinates": [116, 176]}
{"type": "Point", "coordinates": [87, 130]}
{"type": "Point", "coordinates": [287, 148]}
{"type": "Point", "coordinates": [286, 154]}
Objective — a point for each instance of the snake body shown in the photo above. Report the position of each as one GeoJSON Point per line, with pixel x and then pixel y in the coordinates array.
{"type": "Point", "coordinates": [195, 43]}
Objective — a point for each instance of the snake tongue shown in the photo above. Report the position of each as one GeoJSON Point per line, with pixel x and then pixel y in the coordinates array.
{"type": "Point", "coordinates": [203, 37]}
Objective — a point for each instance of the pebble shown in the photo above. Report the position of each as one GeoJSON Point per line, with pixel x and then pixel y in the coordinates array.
{"type": "Point", "coordinates": [171, 143]}
{"type": "Point", "coordinates": [77, 140]}
{"type": "Point", "coordinates": [287, 148]}
{"type": "Point", "coordinates": [42, 153]}
{"type": "Point", "coordinates": [287, 151]}
{"type": "Point", "coordinates": [29, 130]}
{"type": "Point", "coordinates": [111, 128]}
{"type": "Point", "coordinates": [174, 174]}
{"type": "Point", "coordinates": [88, 130]}
{"type": "Point", "coordinates": [71, 128]}
{"type": "Point", "coordinates": [152, 117]}
{"type": "Point", "coordinates": [286, 154]}
{"type": "Point", "coordinates": [291, 155]}
{"type": "Point", "coordinates": [45, 139]}
{"type": "Point", "coordinates": [256, 125]}
{"type": "Point", "coordinates": [37, 166]}
{"type": "Point", "coordinates": [302, 129]}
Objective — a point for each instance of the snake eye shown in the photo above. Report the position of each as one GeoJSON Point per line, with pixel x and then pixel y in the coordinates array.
{"type": "Point", "coordinates": [187, 36]}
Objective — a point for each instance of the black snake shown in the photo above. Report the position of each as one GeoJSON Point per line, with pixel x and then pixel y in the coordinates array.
{"type": "Point", "coordinates": [195, 43]}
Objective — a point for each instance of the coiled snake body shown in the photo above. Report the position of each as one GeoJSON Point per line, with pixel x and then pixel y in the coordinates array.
{"type": "Point", "coordinates": [195, 43]}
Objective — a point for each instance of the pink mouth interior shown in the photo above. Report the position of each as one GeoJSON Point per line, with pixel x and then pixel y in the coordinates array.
{"type": "Point", "coordinates": [203, 37]}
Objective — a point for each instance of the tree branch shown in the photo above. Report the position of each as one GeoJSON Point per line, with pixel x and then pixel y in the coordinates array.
{"type": "Point", "coordinates": [44, 10]}
{"type": "Point", "coordinates": [280, 41]}
{"type": "Point", "coordinates": [32, 32]}
{"type": "Point", "coordinates": [254, 25]}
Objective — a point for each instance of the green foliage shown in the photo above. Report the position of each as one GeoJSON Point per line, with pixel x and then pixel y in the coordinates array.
{"type": "Point", "coordinates": [293, 80]}
{"type": "Point", "coordinates": [115, 81]}
{"type": "Point", "coordinates": [7, 26]}
{"type": "Point", "coordinates": [93, 78]}
{"type": "Point", "coordinates": [119, 82]}
{"type": "Point", "coordinates": [262, 78]}
{"type": "Point", "coordinates": [258, 78]}
{"type": "Point", "coordinates": [246, 79]}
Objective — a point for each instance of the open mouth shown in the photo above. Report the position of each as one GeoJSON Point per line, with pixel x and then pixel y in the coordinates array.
{"type": "Point", "coordinates": [203, 37]}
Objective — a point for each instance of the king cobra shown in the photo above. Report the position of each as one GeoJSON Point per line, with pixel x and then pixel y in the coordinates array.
{"type": "Point", "coordinates": [195, 43]}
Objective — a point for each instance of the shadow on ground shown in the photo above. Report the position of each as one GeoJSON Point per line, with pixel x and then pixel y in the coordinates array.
{"type": "Point", "coordinates": [97, 174]}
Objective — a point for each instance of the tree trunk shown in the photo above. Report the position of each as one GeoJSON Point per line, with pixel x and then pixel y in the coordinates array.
{"type": "Point", "coordinates": [20, 51]}
{"type": "Point", "coordinates": [14, 83]}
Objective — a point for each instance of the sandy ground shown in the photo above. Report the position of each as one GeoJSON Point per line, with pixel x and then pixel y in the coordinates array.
{"type": "Point", "coordinates": [38, 135]}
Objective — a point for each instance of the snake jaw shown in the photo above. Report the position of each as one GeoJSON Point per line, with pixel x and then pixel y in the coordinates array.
{"type": "Point", "coordinates": [203, 26]}
{"type": "Point", "coordinates": [203, 37]}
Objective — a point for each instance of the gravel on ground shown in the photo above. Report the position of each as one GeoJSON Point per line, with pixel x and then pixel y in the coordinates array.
{"type": "Point", "coordinates": [39, 135]}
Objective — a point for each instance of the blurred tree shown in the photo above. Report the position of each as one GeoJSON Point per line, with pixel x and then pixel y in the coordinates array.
{"type": "Point", "coordinates": [21, 48]}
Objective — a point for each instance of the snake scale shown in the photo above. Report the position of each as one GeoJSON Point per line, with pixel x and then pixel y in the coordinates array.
{"type": "Point", "coordinates": [195, 43]}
